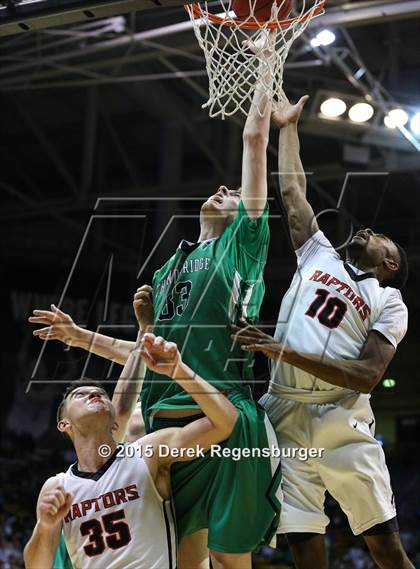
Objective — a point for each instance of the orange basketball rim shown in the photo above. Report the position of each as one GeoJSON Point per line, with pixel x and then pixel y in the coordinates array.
{"type": "Point", "coordinates": [251, 23]}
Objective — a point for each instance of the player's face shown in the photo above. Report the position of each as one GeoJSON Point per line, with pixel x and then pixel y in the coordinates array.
{"type": "Point", "coordinates": [224, 202]}
{"type": "Point", "coordinates": [88, 402]}
{"type": "Point", "coordinates": [372, 248]}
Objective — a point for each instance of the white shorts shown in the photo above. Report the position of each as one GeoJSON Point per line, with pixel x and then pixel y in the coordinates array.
{"type": "Point", "coordinates": [352, 467]}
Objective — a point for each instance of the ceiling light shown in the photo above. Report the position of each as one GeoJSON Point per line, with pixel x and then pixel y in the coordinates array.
{"type": "Point", "coordinates": [326, 37]}
{"type": "Point", "coordinates": [415, 124]}
{"type": "Point", "coordinates": [361, 112]}
{"type": "Point", "coordinates": [396, 118]}
{"type": "Point", "coordinates": [333, 107]}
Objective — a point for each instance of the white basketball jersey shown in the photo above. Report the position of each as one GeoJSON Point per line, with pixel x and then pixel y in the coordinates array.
{"type": "Point", "coordinates": [117, 519]}
{"type": "Point", "coordinates": [329, 309]}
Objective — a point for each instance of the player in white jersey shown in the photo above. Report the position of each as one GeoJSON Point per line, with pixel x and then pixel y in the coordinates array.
{"type": "Point", "coordinates": [338, 328]}
{"type": "Point", "coordinates": [113, 505]}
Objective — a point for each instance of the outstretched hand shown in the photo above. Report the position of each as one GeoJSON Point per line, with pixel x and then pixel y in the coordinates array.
{"type": "Point", "coordinates": [286, 113]}
{"type": "Point", "coordinates": [159, 355]}
{"type": "Point", "coordinates": [255, 340]}
{"type": "Point", "coordinates": [57, 325]}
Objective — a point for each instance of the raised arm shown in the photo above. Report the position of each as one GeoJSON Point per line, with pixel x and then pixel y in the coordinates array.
{"type": "Point", "coordinates": [127, 390]}
{"type": "Point", "coordinates": [221, 415]}
{"type": "Point", "coordinates": [60, 326]}
{"type": "Point", "coordinates": [255, 141]}
{"type": "Point", "coordinates": [53, 505]}
{"type": "Point", "coordinates": [301, 218]}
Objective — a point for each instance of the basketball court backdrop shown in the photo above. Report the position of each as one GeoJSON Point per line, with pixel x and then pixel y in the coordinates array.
{"type": "Point", "coordinates": [119, 119]}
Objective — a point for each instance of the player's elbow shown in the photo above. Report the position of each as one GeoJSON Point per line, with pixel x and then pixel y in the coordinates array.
{"type": "Point", "coordinates": [368, 380]}
{"type": "Point", "coordinates": [291, 190]}
{"type": "Point", "coordinates": [255, 137]}
{"type": "Point", "coordinates": [229, 423]}
{"type": "Point", "coordinates": [233, 418]}
{"type": "Point", "coordinates": [365, 387]}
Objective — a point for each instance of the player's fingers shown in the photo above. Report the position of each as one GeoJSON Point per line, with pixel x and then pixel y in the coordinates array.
{"type": "Point", "coordinates": [245, 339]}
{"type": "Point", "coordinates": [47, 509]}
{"type": "Point", "coordinates": [52, 510]}
{"type": "Point", "coordinates": [148, 338]}
{"type": "Point", "coordinates": [142, 294]}
{"type": "Point", "coordinates": [170, 347]}
{"type": "Point", "coordinates": [40, 331]}
{"type": "Point", "coordinates": [58, 312]}
{"type": "Point", "coordinates": [52, 501]}
{"type": "Point", "coordinates": [44, 314]}
{"type": "Point", "coordinates": [69, 499]}
{"type": "Point", "coordinates": [140, 302]}
{"type": "Point", "coordinates": [58, 500]}
{"type": "Point", "coordinates": [302, 101]}
{"type": "Point", "coordinates": [252, 348]}
{"type": "Point", "coordinates": [148, 359]}
{"type": "Point", "coordinates": [248, 331]}
{"type": "Point", "coordinates": [146, 288]}
{"type": "Point", "coordinates": [159, 342]}
{"type": "Point", "coordinates": [55, 496]}
{"type": "Point", "coordinates": [60, 493]}
{"type": "Point", "coordinates": [40, 320]}
{"type": "Point", "coordinates": [47, 337]}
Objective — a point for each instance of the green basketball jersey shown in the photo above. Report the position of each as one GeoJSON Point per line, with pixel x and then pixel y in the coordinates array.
{"type": "Point", "coordinates": [197, 295]}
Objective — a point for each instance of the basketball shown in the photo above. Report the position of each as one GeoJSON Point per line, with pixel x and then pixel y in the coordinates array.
{"type": "Point", "coordinates": [262, 9]}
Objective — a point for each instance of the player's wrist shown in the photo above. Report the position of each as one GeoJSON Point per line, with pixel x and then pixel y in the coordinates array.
{"type": "Point", "coordinates": [44, 528]}
{"type": "Point", "coordinates": [182, 372]}
{"type": "Point", "coordinates": [287, 355]}
{"type": "Point", "coordinates": [144, 325]}
{"type": "Point", "coordinates": [140, 333]}
{"type": "Point", "coordinates": [80, 338]}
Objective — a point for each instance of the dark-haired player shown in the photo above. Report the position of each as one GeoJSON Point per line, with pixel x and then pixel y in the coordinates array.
{"type": "Point", "coordinates": [113, 504]}
{"type": "Point", "coordinates": [338, 328]}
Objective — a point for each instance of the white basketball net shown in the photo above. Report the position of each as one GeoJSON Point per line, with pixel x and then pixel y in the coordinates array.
{"type": "Point", "coordinates": [232, 65]}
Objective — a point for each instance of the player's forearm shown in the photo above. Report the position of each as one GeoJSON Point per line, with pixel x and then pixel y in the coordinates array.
{"type": "Point", "coordinates": [128, 388]}
{"type": "Point", "coordinates": [254, 158]}
{"type": "Point", "coordinates": [40, 550]}
{"type": "Point", "coordinates": [291, 173]}
{"type": "Point", "coordinates": [358, 375]}
{"type": "Point", "coordinates": [257, 124]}
{"type": "Point", "coordinates": [103, 346]}
{"type": "Point", "coordinates": [216, 406]}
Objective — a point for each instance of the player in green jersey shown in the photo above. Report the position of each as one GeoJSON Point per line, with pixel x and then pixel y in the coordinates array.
{"type": "Point", "coordinates": [198, 294]}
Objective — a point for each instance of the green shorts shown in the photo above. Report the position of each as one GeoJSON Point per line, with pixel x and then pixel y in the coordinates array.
{"type": "Point", "coordinates": [237, 500]}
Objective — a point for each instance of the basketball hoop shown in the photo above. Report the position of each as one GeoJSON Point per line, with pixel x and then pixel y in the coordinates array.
{"type": "Point", "coordinates": [225, 38]}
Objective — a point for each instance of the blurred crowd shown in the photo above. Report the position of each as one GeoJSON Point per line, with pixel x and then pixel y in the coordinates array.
{"type": "Point", "coordinates": [22, 475]}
